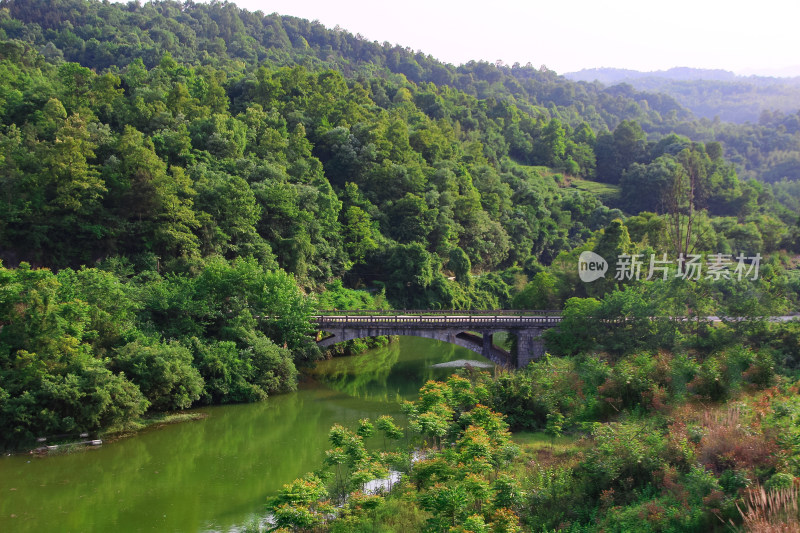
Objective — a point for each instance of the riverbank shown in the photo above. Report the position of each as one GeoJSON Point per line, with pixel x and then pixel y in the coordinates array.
{"type": "Point", "coordinates": [155, 421]}
{"type": "Point", "coordinates": [64, 446]}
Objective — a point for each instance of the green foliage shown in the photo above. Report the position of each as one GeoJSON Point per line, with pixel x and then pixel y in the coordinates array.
{"type": "Point", "coordinates": [575, 332]}
{"type": "Point", "coordinates": [543, 292]}
{"type": "Point", "coordinates": [338, 297]}
{"type": "Point", "coordinates": [225, 300]}
{"type": "Point", "coordinates": [298, 505]}
{"type": "Point", "coordinates": [682, 472]}
{"type": "Point", "coordinates": [83, 350]}
{"type": "Point", "coordinates": [228, 376]}
{"type": "Point", "coordinates": [454, 481]}
{"type": "Point", "coordinates": [555, 425]}
{"type": "Point", "coordinates": [460, 265]}
{"type": "Point", "coordinates": [52, 383]}
{"type": "Point", "coordinates": [167, 151]}
{"type": "Point", "coordinates": [624, 456]}
{"type": "Point", "coordinates": [163, 372]}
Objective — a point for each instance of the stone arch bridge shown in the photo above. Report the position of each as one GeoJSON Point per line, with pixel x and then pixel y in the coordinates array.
{"type": "Point", "coordinates": [470, 329]}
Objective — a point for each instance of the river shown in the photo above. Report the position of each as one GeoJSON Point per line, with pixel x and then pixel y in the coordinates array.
{"type": "Point", "coordinates": [217, 473]}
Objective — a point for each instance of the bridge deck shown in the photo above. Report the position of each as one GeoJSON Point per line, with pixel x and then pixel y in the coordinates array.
{"type": "Point", "coordinates": [445, 312]}
{"type": "Point", "coordinates": [425, 320]}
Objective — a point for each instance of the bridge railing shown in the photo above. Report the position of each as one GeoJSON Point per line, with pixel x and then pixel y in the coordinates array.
{"type": "Point", "coordinates": [436, 321]}
{"type": "Point", "coordinates": [440, 312]}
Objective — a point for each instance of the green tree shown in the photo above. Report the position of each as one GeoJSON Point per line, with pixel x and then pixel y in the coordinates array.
{"type": "Point", "coordinates": [359, 232]}
{"type": "Point", "coordinates": [298, 504]}
{"type": "Point", "coordinates": [554, 427]}
{"type": "Point", "coordinates": [655, 178]}
{"type": "Point", "coordinates": [52, 381]}
{"type": "Point", "coordinates": [229, 215]}
{"type": "Point", "coordinates": [163, 372]}
{"type": "Point", "coordinates": [460, 265]}
{"type": "Point", "coordinates": [77, 187]}
{"type": "Point", "coordinates": [612, 245]}
{"type": "Point", "coordinates": [551, 148]}
{"type": "Point", "coordinates": [543, 292]}
{"type": "Point", "coordinates": [576, 332]}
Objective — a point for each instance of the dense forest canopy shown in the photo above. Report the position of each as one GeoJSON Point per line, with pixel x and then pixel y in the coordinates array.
{"type": "Point", "coordinates": [101, 35]}
{"type": "Point", "coordinates": [191, 143]}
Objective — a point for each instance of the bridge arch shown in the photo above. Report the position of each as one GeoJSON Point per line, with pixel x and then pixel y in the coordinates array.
{"type": "Point", "coordinates": [463, 339]}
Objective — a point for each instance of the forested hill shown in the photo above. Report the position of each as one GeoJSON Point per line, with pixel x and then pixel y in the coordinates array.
{"type": "Point", "coordinates": [99, 35]}
{"type": "Point", "coordinates": [709, 93]}
{"type": "Point", "coordinates": [168, 132]}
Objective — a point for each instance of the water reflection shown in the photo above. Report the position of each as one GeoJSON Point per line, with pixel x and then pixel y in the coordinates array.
{"type": "Point", "coordinates": [383, 375]}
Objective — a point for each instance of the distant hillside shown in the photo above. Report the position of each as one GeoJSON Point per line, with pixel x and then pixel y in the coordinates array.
{"type": "Point", "coordinates": [707, 93]}
{"type": "Point", "coordinates": [611, 76]}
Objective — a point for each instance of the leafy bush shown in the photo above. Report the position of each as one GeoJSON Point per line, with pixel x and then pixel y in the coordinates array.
{"type": "Point", "coordinates": [624, 456]}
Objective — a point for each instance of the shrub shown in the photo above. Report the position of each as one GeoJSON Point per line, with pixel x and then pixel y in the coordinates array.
{"type": "Point", "coordinates": [728, 444]}
{"type": "Point", "coordinates": [624, 455]}
{"type": "Point", "coordinates": [654, 514]}
{"type": "Point", "coordinates": [779, 481]}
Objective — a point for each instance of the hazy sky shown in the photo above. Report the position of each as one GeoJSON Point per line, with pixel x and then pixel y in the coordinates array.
{"type": "Point", "coordinates": [574, 34]}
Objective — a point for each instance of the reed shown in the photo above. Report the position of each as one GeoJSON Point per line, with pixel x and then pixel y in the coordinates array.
{"type": "Point", "coordinates": [770, 511]}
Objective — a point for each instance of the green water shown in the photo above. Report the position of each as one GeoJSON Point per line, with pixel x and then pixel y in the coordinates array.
{"type": "Point", "coordinates": [217, 473]}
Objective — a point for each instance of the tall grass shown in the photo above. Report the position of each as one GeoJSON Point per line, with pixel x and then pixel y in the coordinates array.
{"type": "Point", "coordinates": [770, 511]}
